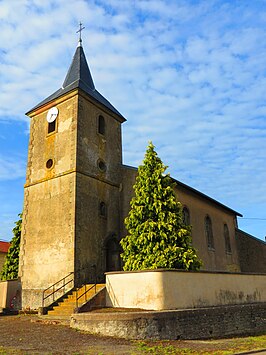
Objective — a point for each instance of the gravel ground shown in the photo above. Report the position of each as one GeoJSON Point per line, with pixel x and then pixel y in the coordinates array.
{"type": "Point", "coordinates": [28, 334]}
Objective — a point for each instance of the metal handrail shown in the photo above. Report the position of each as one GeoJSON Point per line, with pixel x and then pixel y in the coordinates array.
{"type": "Point", "coordinates": [53, 287]}
{"type": "Point", "coordinates": [86, 291]}
{"type": "Point", "coordinates": [85, 294]}
{"type": "Point", "coordinates": [64, 284]}
{"type": "Point", "coordinates": [72, 272]}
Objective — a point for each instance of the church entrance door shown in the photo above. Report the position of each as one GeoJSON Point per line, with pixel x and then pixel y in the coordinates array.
{"type": "Point", "coordinates": [113, 262]}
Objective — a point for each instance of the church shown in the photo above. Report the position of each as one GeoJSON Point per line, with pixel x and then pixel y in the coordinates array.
{"type": "Point", "coordinates": [78, 192]}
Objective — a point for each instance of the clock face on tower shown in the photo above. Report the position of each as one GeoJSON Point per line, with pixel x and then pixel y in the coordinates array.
{"type": "Point", "coordinates": [52, 114]}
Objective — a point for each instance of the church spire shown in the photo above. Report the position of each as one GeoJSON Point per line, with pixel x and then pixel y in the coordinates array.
{"type": "Point", "coordinates": [79, 77]}
{"type": "Point", "coordinates": [79, 73]}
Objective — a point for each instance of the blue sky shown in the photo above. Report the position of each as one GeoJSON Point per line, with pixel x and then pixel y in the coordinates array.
{"type": "Point", "coordinates": [188, 75]}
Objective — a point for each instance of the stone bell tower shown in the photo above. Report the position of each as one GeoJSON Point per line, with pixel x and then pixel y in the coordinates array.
{"type": "Point", "coordinates": [71, 200]}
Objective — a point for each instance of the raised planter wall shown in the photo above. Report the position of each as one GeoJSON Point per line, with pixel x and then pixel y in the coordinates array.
{"type": "Point", "coordinates": [174, 289]}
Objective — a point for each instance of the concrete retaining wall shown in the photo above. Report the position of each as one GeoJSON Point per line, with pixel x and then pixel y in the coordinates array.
{"type": "Point", "coordinates": [203, 323]}
{"type": "Point", "coordinates": [173, 289]}
{"type": "Point", "coordinates": [10, 294]}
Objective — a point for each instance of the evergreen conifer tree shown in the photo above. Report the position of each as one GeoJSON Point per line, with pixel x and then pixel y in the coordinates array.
{"type": "Point", "coordinates": [10, 267]}
{"type": "Point", "coordinates": [157, 236]}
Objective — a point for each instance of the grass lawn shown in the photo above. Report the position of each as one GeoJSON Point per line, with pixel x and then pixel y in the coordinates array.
{"type": "Point", "coordinates": [202, 347]}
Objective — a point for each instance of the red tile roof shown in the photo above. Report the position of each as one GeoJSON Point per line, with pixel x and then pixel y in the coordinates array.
{"type": "Point", "coordinates": [4, 247]}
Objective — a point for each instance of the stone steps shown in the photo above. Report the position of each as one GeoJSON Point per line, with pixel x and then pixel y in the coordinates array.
{"type": "Point", "coordinates": [81, 290]}
{"type": "Point", "coordinates": [68, 305]}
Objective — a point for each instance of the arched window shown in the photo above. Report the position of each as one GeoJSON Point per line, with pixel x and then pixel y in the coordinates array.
{"type": "Point", "coordinates": [101, 125]}
{"type": "Point", "coordinates": [51, 126]}
{"type": "Point", "coordinates": [209, 233]}
{"type": "Point", "coordinates": [186, 216]}
{"type": "Point", "coordinates": [227, 239]}
{"type": "Point", "coordinates": [103, 209]}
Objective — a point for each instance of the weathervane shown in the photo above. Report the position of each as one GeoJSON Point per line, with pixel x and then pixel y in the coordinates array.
{"type": "Point", "coordinates": [79, 31]}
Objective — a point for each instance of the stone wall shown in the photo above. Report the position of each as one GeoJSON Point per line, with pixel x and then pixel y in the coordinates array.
{"type": "Point", "coordinates": [213, 322]}
{"type": "Point", "coordinates": [200, 206]}
{"type": "Point", "coordinates": [252, 252]}
{"type": "Point", "coordinates": [48, 227]}
{"type": "Point", "coordinates": [63, 228]}
{"type": "Point", "coordinates": [95, 186]}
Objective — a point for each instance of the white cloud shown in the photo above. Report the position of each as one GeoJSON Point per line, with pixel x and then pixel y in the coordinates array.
{"type": "Point", "coordinates": [188, 75]}
{"type": "Point", "coordinates": [12, 168]}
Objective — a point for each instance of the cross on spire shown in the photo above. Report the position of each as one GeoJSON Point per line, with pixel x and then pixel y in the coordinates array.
{"type": "Point", "coordinates": [79, 31]}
